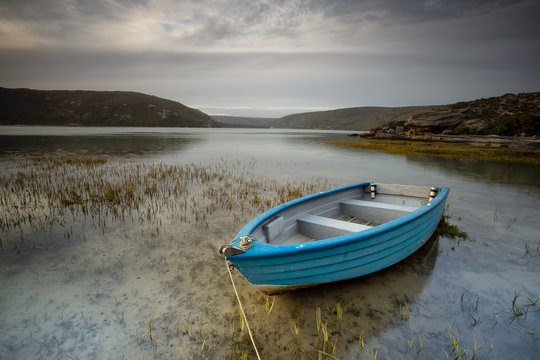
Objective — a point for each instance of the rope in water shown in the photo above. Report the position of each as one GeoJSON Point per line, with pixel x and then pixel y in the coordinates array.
{"type": "Point", "coordinates": [242, 310]}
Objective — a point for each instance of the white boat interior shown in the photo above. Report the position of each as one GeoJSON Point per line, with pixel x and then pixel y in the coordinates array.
{"type": "Point", "coordinates": [342, 213]}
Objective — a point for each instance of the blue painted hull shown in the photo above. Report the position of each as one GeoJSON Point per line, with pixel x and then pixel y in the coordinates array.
{"type": "Point", "coordinates": [275, 268]}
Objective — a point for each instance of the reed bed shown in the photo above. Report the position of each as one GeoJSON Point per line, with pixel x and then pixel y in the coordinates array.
{"type": "Point", "coordinates": [44, 191]}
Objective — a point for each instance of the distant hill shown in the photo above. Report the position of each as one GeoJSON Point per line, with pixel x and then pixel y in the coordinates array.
{"type": "Point", "coordinates": [239, 121]}
{"type": "Point", "coordinates": [95, 108]}
{"type": "Point", "coordinates": [358, 118]}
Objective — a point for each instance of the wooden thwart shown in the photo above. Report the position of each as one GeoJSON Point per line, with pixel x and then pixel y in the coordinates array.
{"type": "Point", "coordinates": [320, 227]}
{"type": "Point", "coordinates": [378, 205]}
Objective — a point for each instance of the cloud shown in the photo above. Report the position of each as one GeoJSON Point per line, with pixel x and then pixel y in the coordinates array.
{"type": "Point", "coordinates": [275, 55]}
{"type": "Point", "coordinates": [257, 25]}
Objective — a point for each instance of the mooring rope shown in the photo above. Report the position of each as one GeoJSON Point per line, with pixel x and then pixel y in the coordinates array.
{"type": "Point", "coordinates": [242, 310]}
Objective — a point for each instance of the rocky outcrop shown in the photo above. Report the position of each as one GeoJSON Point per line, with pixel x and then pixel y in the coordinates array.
{"type": "Point", "coordinates": [436, 120]}
{"type": "Point", "coordinates": [508, 115]}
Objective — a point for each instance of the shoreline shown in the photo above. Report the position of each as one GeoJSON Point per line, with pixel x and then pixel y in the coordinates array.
{"type": "Point", "coordinates": [512, 142]}
{"type": "Point", "coordinates": [524, 150]}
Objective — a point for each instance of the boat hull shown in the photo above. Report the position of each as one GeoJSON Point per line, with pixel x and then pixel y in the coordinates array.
{"type": "Point", "coordinates": [277, 268]}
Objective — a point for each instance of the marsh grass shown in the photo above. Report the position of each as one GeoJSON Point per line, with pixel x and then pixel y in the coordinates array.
{"type": "Point", "coordinates": [457, 351]}
{"type": "Point", "coordinates": [444, 149]}
{"type": "Point", "coordinates": [521, 304]}
{"type": "Point", "coordinates": [149, 330]}
{"type": "Point", "coordinates": [268, 307]}
{"type": "Point", "coordinates": [361, 342]}
{"type": "Point", "coordinates": [186, 330]}
{"type": "Point", "coordinates": [405, 311]}
{"type": "Point", "coordinates": [532, 251]}
{"type": "Point", "coordinates": [373, 355]}
{"type": "Point", "coordinates": [445, 228]}
{"type": "Point", "coordinates": [339, 313]}
{"type": "Point", "coordinates": [45, 191]}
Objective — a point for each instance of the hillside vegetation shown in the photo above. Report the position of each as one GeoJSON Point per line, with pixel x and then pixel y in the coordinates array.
{"type": "Point", "coordinates": [95, 108]}
{"type": "Point", "coordinates": [507, 115]}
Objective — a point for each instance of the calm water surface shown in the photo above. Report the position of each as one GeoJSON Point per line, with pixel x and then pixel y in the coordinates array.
{"type": "Point", "coordinates": [483, 291]}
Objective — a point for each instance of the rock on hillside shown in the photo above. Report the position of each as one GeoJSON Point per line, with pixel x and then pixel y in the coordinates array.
{"type": "Point", "coordinates": [95, 108]}
{"type": "Point", "coordinates": [507, 115]}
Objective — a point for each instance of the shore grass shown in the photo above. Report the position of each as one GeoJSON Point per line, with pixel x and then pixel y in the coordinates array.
{"type": "Point", "coordinates": [445, 149]}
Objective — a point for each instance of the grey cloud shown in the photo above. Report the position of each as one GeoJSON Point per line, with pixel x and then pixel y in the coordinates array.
{"type": "Point", "coordinates": [51, 10]}
{"type": "Point", "coordinates": [391, 52]}
{"type": "Point", "coordinates": [231, 19]}
{"type": "Point", "coordinates": [214, 21]}
{"type": "Point", "coordinates": [68, 22]}
{"type": "Point", "coordinates": [413, 11]}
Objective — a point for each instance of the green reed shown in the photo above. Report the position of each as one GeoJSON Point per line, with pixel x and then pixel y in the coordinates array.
{"type": "Point", "coordinates": [45, 191]}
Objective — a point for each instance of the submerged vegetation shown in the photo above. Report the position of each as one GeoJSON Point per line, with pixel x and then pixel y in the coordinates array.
{"type": "Point", "coordinates": [445, 149]}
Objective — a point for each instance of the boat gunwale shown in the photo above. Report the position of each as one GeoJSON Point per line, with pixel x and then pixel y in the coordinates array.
{"type": "Point", "coordinates": [261, 250]}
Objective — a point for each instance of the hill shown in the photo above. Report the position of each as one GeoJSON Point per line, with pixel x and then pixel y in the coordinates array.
{"type": "Point", "coordinates": [242, 121]}
{"type": "Point", "coordinates": [95, 108]}
{"type": "Point", "coordinates": [507, 115]}
{"type": "Point", "coordinates": [358, 118]}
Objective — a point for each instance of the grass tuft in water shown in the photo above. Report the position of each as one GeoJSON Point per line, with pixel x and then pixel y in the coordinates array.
{"type": "Point", "coordinates": [449, 230]}
{"type": "Point", "coordinates": [186, 330]}
{"type": "Point", "coordinates": [456, 346]}
{"type": "Point", "coordinates": [149, 329]}
{"type": "Point", "coordinates": [373, 355]}
{"type": "Point", "coordinates": [405, 311]}
{"type": "Point", "coordinates": [318, 319]}
{"type": "Point", "coordinates": [410, 344]}
{"type": "Point", "coordinates": [361, 343]}
{"type": "Point", "coordinates": [268, 307]}
{"type": "Point", "coordinates": [339, 313]}
{"type": "Point", "coordinates": [532, 251]}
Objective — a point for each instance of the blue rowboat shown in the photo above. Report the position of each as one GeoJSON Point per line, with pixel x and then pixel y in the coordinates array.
{"type": "Point", "coordinates": [335, 235]}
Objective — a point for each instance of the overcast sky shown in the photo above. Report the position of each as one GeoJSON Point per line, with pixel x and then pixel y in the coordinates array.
{"type": "Point", "coordinates": [272, 58]}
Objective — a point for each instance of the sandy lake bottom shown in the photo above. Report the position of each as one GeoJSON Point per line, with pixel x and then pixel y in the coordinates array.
{"type": "Point", "coordinates": [118, 259]}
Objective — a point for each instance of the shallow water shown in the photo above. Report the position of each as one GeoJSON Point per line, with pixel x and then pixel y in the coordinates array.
{"type": "Point", "coordinates": [89, 286]}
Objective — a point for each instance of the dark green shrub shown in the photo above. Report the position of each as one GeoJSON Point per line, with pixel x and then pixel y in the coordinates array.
{"type": "Point", "coordinates": [514, 126]}
{"type": "Point", "coordinates": [464, 130]}
{"type": "Point", "coordinates": [392, 123]}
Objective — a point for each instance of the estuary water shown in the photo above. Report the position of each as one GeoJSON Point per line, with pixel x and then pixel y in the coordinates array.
{"type": "Point", "coordinates": [143, 286]}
